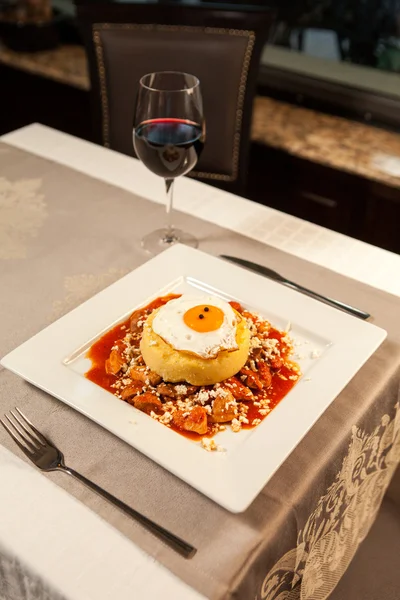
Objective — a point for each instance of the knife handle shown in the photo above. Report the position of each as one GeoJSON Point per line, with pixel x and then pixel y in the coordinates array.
{"type": "Point", "coordinates": [336, 303]}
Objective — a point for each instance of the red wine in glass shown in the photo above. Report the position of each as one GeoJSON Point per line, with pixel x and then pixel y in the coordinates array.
{"type": "Point", "coordinates": [168, 135]}
{"type": "Point", "coordinates": [169, 147]}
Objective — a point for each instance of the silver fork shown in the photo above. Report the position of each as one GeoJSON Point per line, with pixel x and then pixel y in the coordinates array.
{"type": "Point", "coordinates": [48, 457]}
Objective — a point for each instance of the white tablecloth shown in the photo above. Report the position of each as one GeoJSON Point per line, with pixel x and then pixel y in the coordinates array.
{"type": "Point", "coordinates": [91, 559]}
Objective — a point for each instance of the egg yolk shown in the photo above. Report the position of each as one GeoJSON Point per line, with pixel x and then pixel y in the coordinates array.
{"type": "Point", "coordinates": [204, 318]}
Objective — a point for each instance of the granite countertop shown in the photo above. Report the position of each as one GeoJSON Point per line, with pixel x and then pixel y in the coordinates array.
{"type": "Point", "coordinates": [65, 64]}
{"type": "Point", "coordinates": [332, 141]}
{"type": "Point", "coordinates": [339, 143]}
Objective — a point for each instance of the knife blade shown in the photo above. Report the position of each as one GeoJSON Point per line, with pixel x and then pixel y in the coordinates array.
{"type": "Point", "coordinates": [271, 274]}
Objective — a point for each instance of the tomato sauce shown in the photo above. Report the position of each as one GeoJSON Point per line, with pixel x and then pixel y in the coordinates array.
{"type": "Point", "coordinates": [100, 351]}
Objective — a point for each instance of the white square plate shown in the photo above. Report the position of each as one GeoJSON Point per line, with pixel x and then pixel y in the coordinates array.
{"type": "Point", "coordinates": [54, 360]}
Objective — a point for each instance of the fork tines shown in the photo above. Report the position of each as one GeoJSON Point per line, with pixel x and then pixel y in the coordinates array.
{"type": "Point", "coordinates": [24, 433]}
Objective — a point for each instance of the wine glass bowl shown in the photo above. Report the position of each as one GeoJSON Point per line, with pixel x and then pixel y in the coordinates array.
{"type": "Point", "coordinates": [168, 147]}
{"type": "Point", "coordinates": [169, 134]}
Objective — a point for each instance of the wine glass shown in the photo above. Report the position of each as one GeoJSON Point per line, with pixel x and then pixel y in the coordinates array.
{"type": "Point", "coordinates": [169, 134]}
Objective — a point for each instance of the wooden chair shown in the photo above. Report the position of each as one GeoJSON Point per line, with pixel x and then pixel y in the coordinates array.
{"type": "Point", "coordinates": [221, 46]}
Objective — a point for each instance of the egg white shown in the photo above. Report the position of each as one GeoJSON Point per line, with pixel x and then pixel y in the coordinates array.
{"type": "Point", "coordinates": [170, 326]}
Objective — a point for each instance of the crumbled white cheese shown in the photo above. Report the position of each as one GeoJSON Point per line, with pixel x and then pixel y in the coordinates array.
{"type": "Point", "coordinates": [270, 347]}
{"type": "Point", "coordinates": [255, 342]}
{"type": "Point", "coordinates": [230, 403]}
{"type": "Point", "coordinates": [265, 402]}
{"type": "Point", "coordinates": [203, 396]}
{"type": "Point", "coordinates": [211, 446]}
{"type": "Point", "coordinates": [166, 418]}
{"type": "Point", "coordinates": [264, 411]}
{"type": "Point", "coordinates": [184, 404]}
{"type": "Point", "coordinates": [208, 445]}
{"type": "Point", "coordinates": [236, 425]}
{"type": "Point", "coordinates": [315, 354]}
{"type": "Point", "coordinates": [251, 326]}
{"type": "Point", "coordinates": [181, 390]}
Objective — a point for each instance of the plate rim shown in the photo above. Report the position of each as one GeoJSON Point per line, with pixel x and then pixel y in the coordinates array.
{"type": "Point", "coordinates": [221, 485]}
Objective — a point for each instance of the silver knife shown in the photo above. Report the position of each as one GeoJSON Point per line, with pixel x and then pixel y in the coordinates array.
{"type": "Point", "coordinates": [277, 277]}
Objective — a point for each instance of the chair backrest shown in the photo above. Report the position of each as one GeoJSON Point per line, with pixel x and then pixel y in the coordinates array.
{"type": "Point", "coordinates": [221, 47]}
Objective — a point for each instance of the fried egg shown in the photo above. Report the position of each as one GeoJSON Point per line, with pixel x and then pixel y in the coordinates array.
{"type": "Point", "coordinates": [201, 325]}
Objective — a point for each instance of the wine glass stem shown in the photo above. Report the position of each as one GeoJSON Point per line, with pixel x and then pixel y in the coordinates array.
{"type": "Point", "coordinates": [169, 233]}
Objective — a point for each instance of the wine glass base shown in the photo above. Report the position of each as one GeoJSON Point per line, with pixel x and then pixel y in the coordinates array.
{"type": "Point", "coordinates": [157, 241]}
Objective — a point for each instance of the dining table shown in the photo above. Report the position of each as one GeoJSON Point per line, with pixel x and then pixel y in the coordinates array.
{"type": "Point", "coordinates": [72, 215]}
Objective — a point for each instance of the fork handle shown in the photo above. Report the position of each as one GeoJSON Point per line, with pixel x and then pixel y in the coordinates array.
{"type": "Point", "coordinates": [166, 536]}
